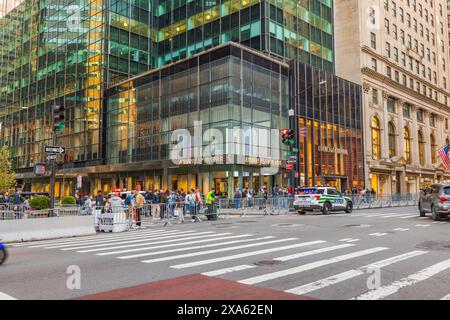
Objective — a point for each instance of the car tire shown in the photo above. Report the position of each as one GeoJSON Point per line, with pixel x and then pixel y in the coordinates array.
{"type": "Point", "coordinates": [326, 208]}
{"type": "Point", "coordinates": [421, 211]}
{"type": "Point", "coordinates": [349, 207]}
{"type": "Point", "coordinates": [436, 216]}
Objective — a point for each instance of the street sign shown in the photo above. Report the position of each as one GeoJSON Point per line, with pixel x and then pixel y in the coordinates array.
{"type": "Point", "coordinates": [53, 149]}
{"type": "Point", "coordinates": [51, 157]}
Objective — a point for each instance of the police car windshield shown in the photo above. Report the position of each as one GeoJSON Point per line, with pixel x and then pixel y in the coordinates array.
{"type": "Point", "coordinates": [311, 191]}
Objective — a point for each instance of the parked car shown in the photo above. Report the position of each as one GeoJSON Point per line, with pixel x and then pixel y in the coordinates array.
{"type": "Point", "coordinates": [435, 199]}
{"type": "Point", "coordinates": [325, 199]}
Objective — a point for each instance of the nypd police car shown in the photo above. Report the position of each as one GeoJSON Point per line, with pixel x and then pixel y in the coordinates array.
{"type": "Point", "coordinates": [325, 199]}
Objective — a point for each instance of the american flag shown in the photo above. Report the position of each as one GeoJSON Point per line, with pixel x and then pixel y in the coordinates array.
{"type": "Point", "coordinates": [443, 152]}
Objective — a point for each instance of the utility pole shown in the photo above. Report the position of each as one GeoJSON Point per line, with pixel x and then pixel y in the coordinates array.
{"type": "Point", "coordinates": [57, 125]}
{"type": "Point", "coordinates": [53, 175]}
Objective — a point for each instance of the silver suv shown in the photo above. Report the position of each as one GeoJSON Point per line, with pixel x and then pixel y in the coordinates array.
{"type": "Point", "coordinates": [435, 199]}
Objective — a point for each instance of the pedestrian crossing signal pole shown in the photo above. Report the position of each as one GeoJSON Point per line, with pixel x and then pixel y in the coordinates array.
{"type": "Point", "coordinates": [58, 125]}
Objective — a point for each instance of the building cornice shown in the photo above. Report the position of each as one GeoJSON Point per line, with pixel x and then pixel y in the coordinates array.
{"type": "Point", "coordinates": [372, 73]}
{"type": "Point", "coordinates": [368, 50]}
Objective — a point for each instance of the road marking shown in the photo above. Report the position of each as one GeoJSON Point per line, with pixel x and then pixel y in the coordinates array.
{"type": "Point", "coordinates": [401, 229]}
{"type": "Point", "coordinates": [312, 252]}
{"type": "Point", "coordinates": [199, 253]}
{"type": "Point", "coordinates": [423, 225]}
{"type": "Point", "coordinates": [168, 243]}
{"type": "Point", "coordinates": [410, 216]}
{"type": "Point", "coordinates": [191, 247]}
{"type": "Point", "coordinates": [78, 246]}
{"type": "Point", "coordinates": [349, 240]}
{"type": "Point", "coordinates": [395, 215]}
{"type": "Point", "coordinates": [227, 270]}
{"type": "Point", "coordinates": [309, 266]}
{"type": "Point", "coordinates": [422, 275]}
{"type": "Point", "coordinates": [147, 238]}
{"type": "Point", "coordinates": [377, 234]}
{"type": "Point", "coordinates": [76, 239]}
{"type": "Point", "coordinates": [245, 254]}
{"type": "Point", "coordinates": [320, 284]}
{"type": "Point", "coordinates": [447, 297]}
{"type": "Point", "coordinates": [4, 296]}
{"type": "Point", "coordinates": [423, 218]}
{"type": "Point", "coordinates": [98, 239]}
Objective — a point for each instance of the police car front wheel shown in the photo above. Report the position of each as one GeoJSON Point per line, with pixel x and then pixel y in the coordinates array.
{"type": "Point", "coordinates": [349, 207]}
{"type": "Point", "coordinates": [326, 208]}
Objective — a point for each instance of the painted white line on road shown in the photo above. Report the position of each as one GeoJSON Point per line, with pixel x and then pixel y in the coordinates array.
{"type": "Point", "coordinates": [77, 239]}
{"type": "Point", "coordinates": [245, 254]}
{"type": "Point", "coordinates": [309, 266]}
{"type": "Point", "coordinates": [227, 270]}
{"type": "Point", "coordinates": [140, 239]}
{"type": "Point", "coordinates": [191, 247]}
{"type": "Point", "coordinates": [78, 246]}
{"type": "Point", "coordinates": [395, 215]}
{"type": "Point", "coordinates": [194, 254]}
{"type": "Point", "coordinates": [409, 217]}
{"type": "Point", "coordinates": [349, 240]}
{"type": "Point", "coordinates": [346, 239]}
{"type": "Point", "coordinates": [423, 225]}
{"type": "Point", "coordinates": [377, 234]}
{"type": "Point", "coordinates": [99, 238]}
{"type": "Point", "coordinates": [168, 243]}
{"type": "Point", "coordinates": [312, 252]}
{"type": "Point", "coordinates": [423, 218]}
{"type": "Point", "coordinates": [422, 275]}
{"type": "Point", "coordinates": [4, 296]}
{"type": "Point", "coordinates": [320, 284]}
{"type": "Point", "coordinates": [447, 297]}
{"type": "Point", "coordinates": [401, 229]}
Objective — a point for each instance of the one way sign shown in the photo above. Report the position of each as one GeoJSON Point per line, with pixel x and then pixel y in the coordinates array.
{"type": "Point", "coordinates": [53, 150]}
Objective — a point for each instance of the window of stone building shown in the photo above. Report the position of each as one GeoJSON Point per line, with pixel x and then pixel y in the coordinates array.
{"type": "Point", "coordinates": [376, 138]}
{"type": "Point", "coordinates": [375, 96]}
{"type": "Point", "coordinates": [406, 111]}
{"type": "Point", "coordinates": [420, 115]}
{"type": "Point", "coordinates": [421, 148]}
{"type": "Point", "coordinates": [407, 144]}
{"type": "Point", "coordinates": [392, 140]}
{"type": "Point", "coordinates": [433, 147]}
{"type": "Point", "coordinates": [391, 104]}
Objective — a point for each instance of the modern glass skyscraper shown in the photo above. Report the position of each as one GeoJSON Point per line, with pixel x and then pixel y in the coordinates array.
{"type": "Point", "coordinates": [68, 52]}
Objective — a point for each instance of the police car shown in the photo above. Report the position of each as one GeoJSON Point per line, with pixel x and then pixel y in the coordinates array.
{"type": "Point", "coordinates": [325, 199]}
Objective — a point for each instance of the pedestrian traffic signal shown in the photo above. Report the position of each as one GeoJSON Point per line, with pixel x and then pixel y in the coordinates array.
{"type": "Point", "coordinates": [287, 136]}
{"type": "Point", "coordinates": [58, 118]}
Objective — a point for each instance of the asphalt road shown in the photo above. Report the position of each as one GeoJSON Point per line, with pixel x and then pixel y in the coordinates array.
{"type": "Point", "coordinates": [387, 253]}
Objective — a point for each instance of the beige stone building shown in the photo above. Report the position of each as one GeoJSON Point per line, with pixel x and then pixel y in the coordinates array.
{"type": "Point", "coordinates": [398, 51]}
{"type": "Point", "coordinates": [7, 5]}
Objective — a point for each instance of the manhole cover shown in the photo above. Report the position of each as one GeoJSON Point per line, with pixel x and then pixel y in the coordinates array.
{"type": "Point", "coordinates": [357, 225]}
{"type": "Point", "coordinates": [287, 225]}
{"type": "Point", "coordinates": [268, 263]}
{"type": "Point", "coordinates": [432, 245]}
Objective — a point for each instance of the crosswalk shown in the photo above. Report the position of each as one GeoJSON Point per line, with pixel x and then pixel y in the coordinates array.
{"type": "Point", "coordinates": [389, 215]}
{"type": "Point", "coordinates": [297, 266]}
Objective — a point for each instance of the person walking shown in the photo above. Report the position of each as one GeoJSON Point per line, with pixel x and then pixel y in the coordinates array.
{"type": "Point", "coordinates": [139, 202]}
{"type": "Point", "coordinates": [100, 199]}
{"type": "Point", "coordinates": [156, 204]}
{"type": "Point", "coordinates": [171, 199]}
{"type": "Point", "coordinates": [237, 198]}
{"type": "Point", "coordinates": [210, 198]}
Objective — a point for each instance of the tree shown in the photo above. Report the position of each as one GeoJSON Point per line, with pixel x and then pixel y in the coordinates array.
{"type": "Point", "coordinates": [8, 176]}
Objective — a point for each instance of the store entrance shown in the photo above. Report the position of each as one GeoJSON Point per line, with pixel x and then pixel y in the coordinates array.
{"type": "Point", "coordinates": [339, 183]}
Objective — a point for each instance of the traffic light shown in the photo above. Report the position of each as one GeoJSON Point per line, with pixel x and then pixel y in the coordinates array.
{"type": "Point", "coordinates": [287, 136]}
{"type": "Point", "coordinates": [58, 118]}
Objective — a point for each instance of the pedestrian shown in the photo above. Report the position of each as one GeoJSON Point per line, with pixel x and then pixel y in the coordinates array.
{"type": "Point", "coordinates": [198, 201]}
{"type": "Point", "coordinates": [210, 198]}
{"type": "Point", "coordinates": [5, 198]}
{"type": "Point", "coordinates": [374, 194]}
{"type": "Point", "coordinates": [100, 199]}
{"type": "Point", "coordinates": [139, 202]}
{"type": "Point", "coordinates": [237, 198]}
{"type": "Point", "coordinates": [108, 205]}
{"type": "Point", "coordinates": [156, 204]}
{"type": "Point", "coordinates": [192, 205]}
{"type": "Point", "coordinates": [276, 191]}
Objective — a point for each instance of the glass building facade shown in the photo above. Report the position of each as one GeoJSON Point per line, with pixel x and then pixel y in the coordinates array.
{"type": "Point", "coordinates": [329, 122]}
{"type": "Point", "coordinates": [228, 89]}
{"type": "Point", "coordinates": [288, 29]}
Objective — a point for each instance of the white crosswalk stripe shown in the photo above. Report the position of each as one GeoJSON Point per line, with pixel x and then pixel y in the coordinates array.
{"type": "Point", "coordinates": [320, 284]}
{"type": "Point", "coordinates": [394, 287]}
{"type": "Point", "coordinates": [312, 252]}
{"type": "Point", "coordinates": [398, 215]}
{"type": "Point", "coordinates": [227, 270]}
{"type": "Point", "coordinates": [244, 255]}
{"type": "Point", "coordinates": [4, 296]}
{"type": "Point", "coordinates": [309, 266]}
{"type": "Point", "coordinates": [378, 234]}
{"type": "Point", "coordinates": [447, 297]}
{"type": "Point", "coordinates": [191, 247]}
{"type": "Point", "coordinates": [401, 229]}
{"type": "Point", "coordinates": [409, 217]}
{"type": "Point", "coordinates": [194, 254]}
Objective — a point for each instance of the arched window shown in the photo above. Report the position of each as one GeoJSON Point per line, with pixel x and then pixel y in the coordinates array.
{"type": "Point", "coordinates": [421, 149]}
{"type": "Point", "coordinates": [376, 138]}
{"type": "Point", "coordinates": [392, 141]}
{"type": "Point", "coordinates": [407, 142]}
{"type": "Point", "coordinates": [433, 148]}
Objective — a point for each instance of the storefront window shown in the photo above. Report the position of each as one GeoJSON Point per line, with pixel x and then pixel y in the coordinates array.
{"type": "Point", "coordinates": [376, 139]}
